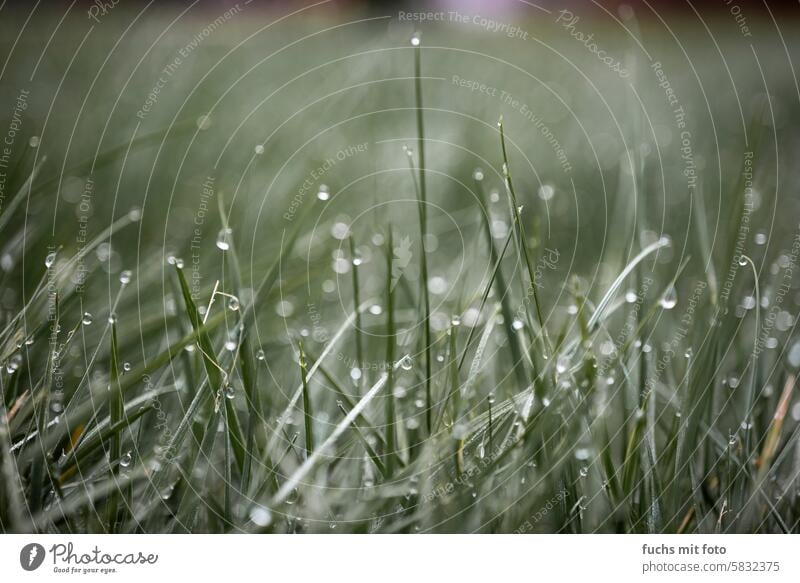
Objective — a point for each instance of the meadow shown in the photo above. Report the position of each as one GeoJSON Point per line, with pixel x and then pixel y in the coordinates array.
{"type": "Point", "coordinates": [309, 268]}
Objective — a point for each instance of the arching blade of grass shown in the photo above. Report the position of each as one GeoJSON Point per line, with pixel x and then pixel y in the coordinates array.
{"type": "Point", "coordinates": [519, 229]}
{"type": "Point", "coordinates": [7, 211]}
{"type": "Point", "coordinates": [217, 377]}
{"type": "Point", "coordinates": [296, 478]}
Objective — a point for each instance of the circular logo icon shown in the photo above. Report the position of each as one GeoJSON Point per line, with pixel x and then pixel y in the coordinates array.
{"type": "Point", "coordinates": [31, 556]}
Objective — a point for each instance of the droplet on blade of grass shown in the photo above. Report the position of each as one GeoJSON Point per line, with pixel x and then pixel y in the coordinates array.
{"type": "Point", "coordinates": [477, 174]}
{"type": "Point", "coordinates": [260, 355]}
{"type": "Point", "coordinates": [743, 260]}
{"type": "Point", "coordinates": [125, 276]}
{"type": "Point", "coordinates": [224, 239]}
{"type": "Point", "coordinates": [630, 296]}
{"type": "Point", "coordinates": [234, 304]}
{"type": "Point", "coordinates": [50, 259]}
{"type": "Point", "coordinates": [375, 309]}
{"type": "Point", "coordinates": [259, 149]}
{"type": "Point", "coordinates": [406, 363]}
{"type": "Point", "coordinates": [126, 460]}
{"type": "Point", "coordinates": [230, 392]}
{"type": "Point", "coordinates": [87, 319]}
{"type": "Point", "coordinates": [670, 298]}
{"type": "Point", "coordinates": [415, 39]}
{"type": "Point", "coordinates": [112, 318]}
{"type": "Point", "coordinates": [34, 142]}
{"type": "Point", "coordinates": [760, 238]}
{"type": "Point", "coordinates": [748, 302]}
{"type": "Point", "coordinates": [126, 366]}
{"type": "Point", "coordinates": [324, 192]}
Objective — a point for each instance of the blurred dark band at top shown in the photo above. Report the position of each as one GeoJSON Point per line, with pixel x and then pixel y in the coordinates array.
{"type": "Point", "coordinates": [522, 8]}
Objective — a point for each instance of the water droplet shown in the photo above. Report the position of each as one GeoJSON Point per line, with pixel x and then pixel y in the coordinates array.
{"type": "Point", "coordinates": [478, 174]}
{"type": "Point", "coordinates": [126, 366]}
{"type": "Point", "coordinates": [224, 239]}
{"type": "Point", "coordinates": [135, 214]}
{"type": "Point", "coordinates": [562, 364]}
{"type": "Point", "coordinates": [688, 353]}
{"type": "Point", "coordinates": [34, 142]}
{"type": "Point", "coordinates": [260, 355]}
{"type": "Point", "coordinates": [233, 304]}
{"type": "Point", "coordinates": [546, 192]}
{"type": "Point", "coordinates": [230, 392]}
{"type": "Point", "coordinates": [743, 260]}
{"type": "Point", "coordinates": [748, 302]}
{"type": "Point", "coordinates": [50, 259]}
{"type": "Point", "coordinates": [630, 296]}
{"type": "Point", "coordinates": [584, 472]}
{"type": "Point", "coordinates": [375, 310]}
{"type": "Point", "coordinates": [670, 298]}
{"type": "Point", "coordinates": [355, 373]}
{"type": "Point", "coordinates": [125, 277]}
{"type": "Point", "coordinates": [112, 318]}
{"type": "Point", "coordinates": [406, 363]}
{"type": "Point", "coordinates": [260, 515]}
{"type": "Point", "coordinates": [324, 192]}
{"type": "Point", "coordinates": [340, 231]}
{"type": "Point", "coordinates": [415, 39]}
{"type": "Point", "coordinates": [517, 324]}
{"type": "Point", "coordinates": [230, 346]}
{"type": "Point", "coordinates": [87, 319]}
{"type": "Point", "coordinates": [126, 460]}
{"type": "Point", "coordinates": [760, 238]}
{"type": "Point", "coordinates": [490, 398]}
{"type": "Point", "coordinates": [259, 149]}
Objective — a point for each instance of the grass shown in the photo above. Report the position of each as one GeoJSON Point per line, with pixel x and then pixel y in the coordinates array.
{"type": "Point", "coordinates": [453, 375]}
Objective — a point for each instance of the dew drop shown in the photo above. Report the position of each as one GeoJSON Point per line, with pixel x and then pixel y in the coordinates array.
{"type": "Point", "coordinates": [50, 260]}
{"type": "Point", "coordinates": [406, 363]}
{"type": "Point", "coordinates": [324, 192]}
{"type": "Point", "coordinates": [87, 319]}
{"type": "Point", "coordinates": [260, 355]}
{"type": "Point", "coordinates": [259, 149]}
{"type": "Point", "coordinates": [233, 304]}
{"type": "Point", "coordinates": [742, 260]}
{"type": "Point", "coordinates": [224, 239]}
{"type": "Point", "coordinates": [126, 460]}
{"type": "Point", "coordinates": [126, 366]}
{"type": "Point", "coordinates": [260, 515]}
{"type": "Point", "coordinates": [477, 174]}
{"type": "Point", "coordinates": [670, 298]}
{"type": "Point", "coordinates": [230, 393]}
{"type": "Point", "coordinates": [125, 277]}
{"type": "Point", "coordinates": [415, 39]}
